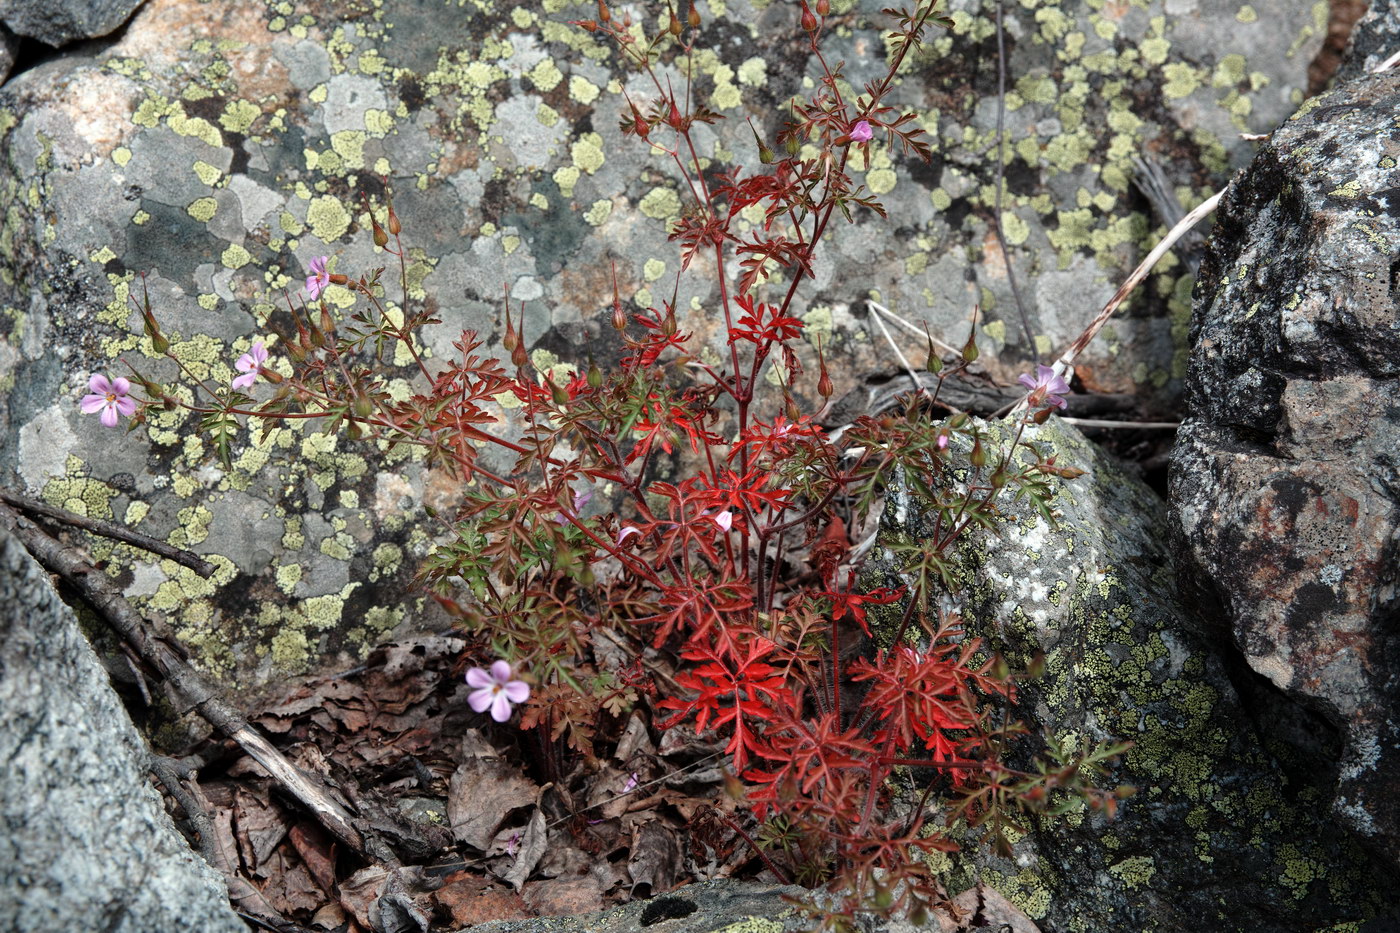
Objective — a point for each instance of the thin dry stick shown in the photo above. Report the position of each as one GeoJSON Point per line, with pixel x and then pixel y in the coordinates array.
{"type": "Point", "coordinates": [110, 530]}
{"type": "Point", "coordinates": [1064, 366]}
{"type": "Point", "coordinates": [1100, 423]}
{"type": "Point", "coordinates": [1388, 64]}
{"type": "Point", "coordinates": [186, 688]}
{"type": "Point", "coordinates": [889, 339]}
{"type": "Point", "coordinates": [904, 323]}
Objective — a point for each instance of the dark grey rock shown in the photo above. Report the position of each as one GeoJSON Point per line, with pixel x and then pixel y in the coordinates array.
{"type": "Point", "coordinates": [1222, 834]}
{"type": "Point", "coordinates": [1374, 38]}
{"type": "Point", "coordinates": [9, 48]}
{"type": "Point", "coordinates": [59, 22]}
{"type": "Point", "coordinates": [1285, 482]}
{"type": "Point", "coordinates": [87, 844]}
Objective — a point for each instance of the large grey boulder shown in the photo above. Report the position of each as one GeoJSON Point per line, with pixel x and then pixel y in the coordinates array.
{"type": "Point", "coordinates": [1374, 38]}
{"type": "Point", "coordinates": [87, 844]}
{"type": "Point", "coordinates": [1223, 834]}
{"type": "Point", "coordinates": [59, 22]}
{"type": "Point", "coordinates": [1285, 482]}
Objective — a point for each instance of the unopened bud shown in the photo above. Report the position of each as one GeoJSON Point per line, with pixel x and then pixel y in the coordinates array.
{"type": "Point", "coordinates": [355, 432]}
{"type": "Point", "coordinates": [363, 406]}
{"type": "Point", "coordinates": [604, 14]}
{"type": "Point", "coordinates": [381, 239]}
{"type": "Point", "coordinates": [394, 226]}
{"type": "Point", "coordinates": [693, 17]}
{"type": "Point", "coordinates": [327, 324]}
{"type": "Point", "coordinates": [675, 27]}
{"type": "Point", "coordinates": [969, 351]}
{"type": "Point", "coordinates": [809, 22]}
{"type": "Point", "coordinates": [588, 24]}
{"type": "Point", "coordinates": [619, 317]}
{"type": "Point", "coordinates": [824, 387]}
{"type": "Point", "coordinates": [792, 145]}
{"type": "Point", "coordinates": [998, 479]}
{"type": "Point", "coordinates": [884, 897]}
{"type": "Point", "coordinates": [668, 324]}
{"type": "Point", "coordinates": [595, 376]}
{"type": "Point", "coordinates": [1043, 415]}
{"type": "Point", "coordinates": [823, 8]}
{"type": "Point", "coordinates": [159, 343]}
{"type": "Point", "coordinates": [271, 375]}
{"type": "Point", "coordinates": [518, 356]}
{"type": "Point", "coordinates": [790, 404]}
{"type": "Point", "coordinates": [558, 393]}
{"type": "Point", "coordinates": [979, 454]}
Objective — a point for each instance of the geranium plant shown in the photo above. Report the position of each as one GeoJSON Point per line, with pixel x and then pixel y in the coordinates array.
{"type": "Point", "coordinates": [735, 581]}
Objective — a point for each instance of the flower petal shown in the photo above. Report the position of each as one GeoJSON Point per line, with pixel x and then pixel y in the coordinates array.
{"type": "Point", "coordinates": [93, 403]}
{"type": "Point", "coordinates": [479, 700]}
{"type": "Point", "coordinates": [517, 691]}
{"type": "Point", "coordinates": [126, 405]}
{"type": "Point", "coordinates": [121, 385]}
{"type": "Point", "coordinates": [245, 380]}
{"type": "Point", "coordinates": [500, 671]}
{"type": "Point", "coordinates": [109, 415]}
{"type": "Point", "coordinates": [500, 708]}
{"type": "Point", "coordinates": [477, 677]}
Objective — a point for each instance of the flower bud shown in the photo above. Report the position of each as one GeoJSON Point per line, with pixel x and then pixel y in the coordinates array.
{"type": "Point", "coordinates": [588, 24]}
{"type": "Point", "coordinates": [327, 325]}
{"type": "Point", "coordinates": [1043, 415]}
{"type": "Point", "coordinates": [675, 27]}
{"type": "Point", "coordinates": [355, 432]}
{"type": "Point", "coordinates": [823, 8]}
{"type": "Point", "coordinates": [604, 14]}
{"type": "Point", "coordinates": [998, 479]}
{"type": "Point", "coordinates": [693, 17]}
{"type": "Point", "coordinates": [363, 406]}
{"type": "Point", "coordinates": [557, 392]}
{"type": "Point", "coordinates": [619, 317]}
{"type": "Point", "coordinates": [394, 226]}
{"type": "Point", "coordinates": [595, 375]}
{"type": "Point", "coordinates": [792, 145]}
{"type": "Point", "coordinates": [978, 457]}
{"type": "Point", "coordinates": [511, 339]}
{"type": "Point", "coordinates": [159, 343]}
{"type": "Point", "coordinates": [271, 375]}
{"type": "Point", "coordinates": [381, 239]}
{"type": "Point", "coordinates": [824, 387]}
{"type": "Point", "coordinates": [518, 356]}
{"type": "Point", "coordinates": [969, 351]}
{"type": "Point", "coordinates": [668, 323]}
{"type": "Point", "coordinates": [809, 22]}
{"type": "Point", "coordinates": [790, 404]}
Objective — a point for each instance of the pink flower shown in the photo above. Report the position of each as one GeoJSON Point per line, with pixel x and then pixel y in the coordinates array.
{"type": "Point", "coordinates": [1045, 387]}
{"type": "Point", "coordinates": [248, 364]}
{"type": "Point", "coordinates": [861, 132]}
{"type": "Point", "coordinates": [627, 530]}
{"type": "Point", "coordinates": [110, 398]}
{"type": "Point", "coordinates": [319, 278]}
{"type": "Point", "coordinates": [725, 520]}
{"type": "Point", "coordinates": [495, 690]}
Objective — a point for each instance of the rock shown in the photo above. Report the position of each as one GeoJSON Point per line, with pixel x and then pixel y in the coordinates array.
{"type": "Point", "coordinates": [1374, 39]}
{"type": "Point", "coordinates": [1222, 834]}
{"type": "Point", "coordinates": [9, 48]}
{"type": "Point", "coordinates": [59, 22]}
{"type": "Point", "coordinates": [218, 147]}
{"type": "Point", "coordinates": [87, 842]}
{"type": "Point", "coordinates": [1285, 482]}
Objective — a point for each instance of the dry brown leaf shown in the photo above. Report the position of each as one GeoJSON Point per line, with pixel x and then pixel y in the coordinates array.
{"type": "Point", "coordinates": [469, 899]}
{"type": "Point", "coordinates": [360, 892]}
{"type": "Point", "coordinates": [563, 897]}
{"type": "Point", "coordinates": [484, 792]}
{"type": "Point", "coordinates": [314, 847]}
{"type": "Point", "coordinates": [984, 907]}
{"type": "Point", "coordinates": [529, 850]}
{"type": "Point", "coordinates": [656, 855]}
{"type": "Point", "coordinates": [259, 827]}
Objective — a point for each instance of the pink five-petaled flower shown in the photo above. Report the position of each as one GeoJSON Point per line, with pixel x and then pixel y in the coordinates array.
{"type": "Point", "coordinates": [495, 690]}
{"type": "Point", "coordinates": [248, 364]}
{"type": "Point", "coordinates": [1046, 386]}
{"type": "Point", "coordinates": [861, 132]}
{"type": "Point", "coordinates": [319, 278]}
{"type": "Point", "coordinates": [725, 520]}
{"type": "Point", "coordinates": [110, 398]}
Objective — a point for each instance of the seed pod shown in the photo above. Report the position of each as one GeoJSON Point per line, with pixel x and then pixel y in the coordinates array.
{"type": "Point", "coordinates": [823, 8]}
{"type": "Point", "coordinates": [619, 317]}
{"type": "Point", "coordinates": [809, 22]}
{"type": "Point", "coordinates": [969, 351]}
{"type": "Point", "coordinates": [558, 393]}
{"type": "Point", "coordinates": [693, 17]}
{"type": "Point", "coordinates": [394, 226]}
{"type": "Point", "coordinates": [604, 14]}
{"type": "Point", "coordinates": [675, 27]}
{"type": "Point", "coordinates": [511, 339]}
{"type": "Point", "coordinates": [381, 239]}
{"type": "Point", "coordinates": [518, 356]}
{"type": "Point", "coordinates": [595, 375]}
{"type": "Point", "coordinates": [792, 145]}
{"type": "Point", "coordinates": [979, 454]}
{"type": "Point", "coordinates": [668, 324]}
{"type": "Point", "coordinates": [327, 324]}
{"type": "Point", "coordinates": [363, 406]}
{"type": "Point", "coordinates": [159, 342]}
{"type": "Point", "coordinates": [933, 362]}
{"type": "Point", "coordinates": [1043, 415]}
{"type": "Point", "coordinates": [824, 387]}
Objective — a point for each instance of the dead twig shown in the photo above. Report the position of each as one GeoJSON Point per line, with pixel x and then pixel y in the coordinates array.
{"type": "Point", "coordinates": [110, 530]}
{"type": "Point", "coordinates": [187, 689]}
{"type": "Point", "coordinates": [168, 772]}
